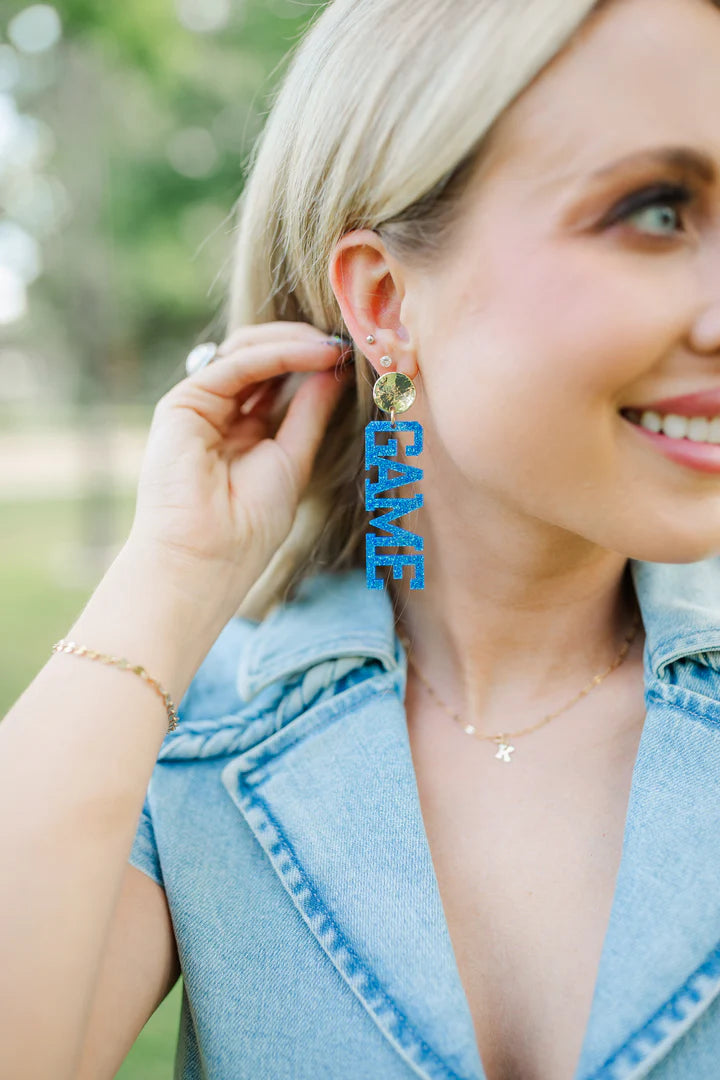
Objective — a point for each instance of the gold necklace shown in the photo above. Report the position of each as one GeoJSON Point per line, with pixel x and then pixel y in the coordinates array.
{"type": "Point", "coordinates": [505, 749]}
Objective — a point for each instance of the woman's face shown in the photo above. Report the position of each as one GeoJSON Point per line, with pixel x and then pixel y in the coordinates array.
{"type": "Point", "coordinates": [554, 308]}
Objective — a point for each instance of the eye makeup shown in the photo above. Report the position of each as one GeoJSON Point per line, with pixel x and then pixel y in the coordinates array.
{"type": "Point", "coordinates": [677, 175]}
{"type": "Point", "coordinates": [669, 194]}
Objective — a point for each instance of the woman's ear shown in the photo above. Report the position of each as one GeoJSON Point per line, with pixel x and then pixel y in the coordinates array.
{"type": "Point", "coordinates": [369, 287]}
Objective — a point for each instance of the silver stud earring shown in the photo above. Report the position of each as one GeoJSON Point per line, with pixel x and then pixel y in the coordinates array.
{"type": "Point", "coordinates": [386, 361]}
{"type": "Point", "coordinates": [370, 339]}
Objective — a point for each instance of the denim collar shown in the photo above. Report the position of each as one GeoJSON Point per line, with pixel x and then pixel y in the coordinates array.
{"type": "Point", "coordinates": [332, 615]}
{"type": "Point", "coordinates": [336, 615]}
{"type": "Point", "coordinates": [680, 606]}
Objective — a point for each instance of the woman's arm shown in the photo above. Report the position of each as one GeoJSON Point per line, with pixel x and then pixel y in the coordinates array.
{"type": "Point", "coordinates": [218, 492]}
{"type": "Point", "coordinates": [76, 754]}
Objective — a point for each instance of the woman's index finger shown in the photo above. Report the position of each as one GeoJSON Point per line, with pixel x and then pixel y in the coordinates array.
{"type": "Point", "coordinates": [248, 364]}
{"type": "Point", "coordinates": [259, 333]}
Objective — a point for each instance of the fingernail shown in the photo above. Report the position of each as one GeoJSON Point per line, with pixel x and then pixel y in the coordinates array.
{"type": "Point", "coordinates": [338, 339]}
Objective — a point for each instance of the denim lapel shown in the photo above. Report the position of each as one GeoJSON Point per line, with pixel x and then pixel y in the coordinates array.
{"type": "Point", "coordinates": [660, 965]}
{"type": "Point", "coordinates": [332, 799]}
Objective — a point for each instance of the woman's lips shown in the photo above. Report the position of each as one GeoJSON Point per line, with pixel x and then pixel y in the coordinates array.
{"type": "Point", "coordinates": [704, 457]}
{"type": "Point", "coordinates": [700, 403]}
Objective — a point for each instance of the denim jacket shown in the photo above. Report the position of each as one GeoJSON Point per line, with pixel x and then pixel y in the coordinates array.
{"type": "Point", "coordinates": [282, 818]}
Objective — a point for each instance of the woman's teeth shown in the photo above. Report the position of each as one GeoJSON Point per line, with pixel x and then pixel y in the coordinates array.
{"type": "Point", "coordinates": [695, 428]}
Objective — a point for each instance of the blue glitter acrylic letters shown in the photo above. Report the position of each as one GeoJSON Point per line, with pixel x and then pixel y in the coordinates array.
{"type": "Point", "coordinates": [392, 473]}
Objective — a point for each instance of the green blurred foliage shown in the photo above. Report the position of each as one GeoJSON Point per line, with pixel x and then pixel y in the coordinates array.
{"type": "Point", "coordinates": [139, 272]}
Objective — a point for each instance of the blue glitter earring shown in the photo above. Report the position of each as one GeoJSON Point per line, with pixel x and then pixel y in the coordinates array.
{"type": "Point", "coordinates": [393, 393]}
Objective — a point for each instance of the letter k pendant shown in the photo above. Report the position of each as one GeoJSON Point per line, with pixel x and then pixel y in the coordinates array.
{"type": "Point", "coordinates": [504, 749]}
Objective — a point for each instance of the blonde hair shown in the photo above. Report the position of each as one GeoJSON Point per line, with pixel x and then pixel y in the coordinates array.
{"type": "Point", "coordinates": [385, 110]}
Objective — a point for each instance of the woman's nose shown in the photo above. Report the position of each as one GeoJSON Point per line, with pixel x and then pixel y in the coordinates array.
{"type": "Point", "coordinates": [705, 333]}
{"type": "Point", "coordinates": [705, 330]}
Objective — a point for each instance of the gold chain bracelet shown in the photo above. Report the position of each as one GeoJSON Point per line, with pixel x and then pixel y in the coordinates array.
{"type": "Point", "coordinates": [82, 650]}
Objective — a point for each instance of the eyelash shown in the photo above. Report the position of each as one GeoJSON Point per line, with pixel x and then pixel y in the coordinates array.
{"type": "Point", "coordinates": [674, 195]}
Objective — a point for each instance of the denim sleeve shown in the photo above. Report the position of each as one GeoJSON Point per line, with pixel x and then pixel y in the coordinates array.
{"type": "Point", "coordinates": [144, 852]}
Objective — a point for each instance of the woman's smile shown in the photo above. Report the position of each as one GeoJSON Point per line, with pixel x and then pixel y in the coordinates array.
{"type": "Point", "coordinates": [693, 441]}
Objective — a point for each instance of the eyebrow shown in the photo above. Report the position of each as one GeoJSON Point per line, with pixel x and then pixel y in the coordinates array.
{"type": "Point", "coordinates": [683, 158]}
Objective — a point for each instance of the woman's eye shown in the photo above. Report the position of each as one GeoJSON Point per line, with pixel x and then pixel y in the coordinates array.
{"type": "Point", "coordinates": [657, 207]}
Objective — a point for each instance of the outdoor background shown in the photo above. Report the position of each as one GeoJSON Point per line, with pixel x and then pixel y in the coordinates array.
{"type": "Point", "coordinates": [124, 132]}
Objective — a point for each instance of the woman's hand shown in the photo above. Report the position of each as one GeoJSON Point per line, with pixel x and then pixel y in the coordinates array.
{"type": "Point", "coordinates": [217, 490]}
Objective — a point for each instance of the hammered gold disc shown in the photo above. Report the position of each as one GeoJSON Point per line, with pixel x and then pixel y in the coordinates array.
{"type": "Point", "coordinates": [393, 390]}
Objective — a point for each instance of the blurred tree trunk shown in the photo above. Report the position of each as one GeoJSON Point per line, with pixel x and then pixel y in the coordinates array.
{"type": "Point", "coordinates": [83, 122]}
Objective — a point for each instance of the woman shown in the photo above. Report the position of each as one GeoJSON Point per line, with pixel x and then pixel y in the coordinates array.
{"type": "Point", "coordinates": [519, 205]}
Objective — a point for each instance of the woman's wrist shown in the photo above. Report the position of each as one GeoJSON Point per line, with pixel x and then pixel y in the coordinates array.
{"type": "Point", "coordinates": [157, 611]}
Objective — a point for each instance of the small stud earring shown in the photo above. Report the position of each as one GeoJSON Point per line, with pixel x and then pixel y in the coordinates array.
{"type": "Point", "coordinates": [386, 361]}
{"type": "Point", "coordinates": [370, 339]}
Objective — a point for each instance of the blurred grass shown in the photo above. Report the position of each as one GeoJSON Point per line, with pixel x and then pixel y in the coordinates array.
{"type": "Point", "coordinates": [153, 1054]}
{"type": "Point", "coordinates": [43, 583]}
{"type": "Point", "coordinates": [43, 589]}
